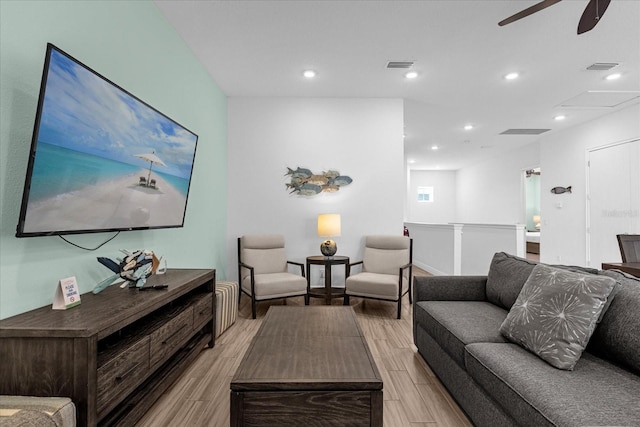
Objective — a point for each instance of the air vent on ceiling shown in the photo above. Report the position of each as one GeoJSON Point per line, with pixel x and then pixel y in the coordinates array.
{"type": "Point", "coordinates": [400, 64]}
{"type": "Point", "coordinates": [524, 131]}
{"type": "Point", "coordinates": [602, 66]}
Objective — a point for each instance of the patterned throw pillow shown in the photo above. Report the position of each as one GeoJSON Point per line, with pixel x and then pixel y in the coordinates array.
{"type": "Point", "coordinates": [556, 313]}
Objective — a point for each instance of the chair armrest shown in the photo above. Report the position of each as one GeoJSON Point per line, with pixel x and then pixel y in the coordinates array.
{"type": "Point", "coordinates": [242, 264]}
{"type": "Point", "coordinates": [348, 273]}
{"type": "Point", "coordinates": [449, 288]}
{"type": "Point", "coordinates": [299, 264]}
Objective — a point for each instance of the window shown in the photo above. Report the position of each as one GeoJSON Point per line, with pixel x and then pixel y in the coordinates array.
{"type": "Point", "coordinates": [425, 194]}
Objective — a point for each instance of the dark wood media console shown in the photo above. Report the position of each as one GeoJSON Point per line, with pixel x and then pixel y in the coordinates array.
{"type": "Point", "coordinates": [116, 352]}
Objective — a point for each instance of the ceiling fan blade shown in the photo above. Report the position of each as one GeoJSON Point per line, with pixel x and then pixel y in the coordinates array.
{"type": "Point", "coordinates": [528, 11]}
{"type": "Point", "coordinates": [592, 15]}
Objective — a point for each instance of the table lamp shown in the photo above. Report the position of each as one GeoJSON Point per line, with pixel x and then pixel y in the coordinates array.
{"type": "Point", "coordinates": [328, 226]}
{"type": "Point", "coordinates": [536, 221]}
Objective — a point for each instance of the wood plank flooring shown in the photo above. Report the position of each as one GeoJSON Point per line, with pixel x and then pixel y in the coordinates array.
{"type": "Point", "coordinates": [413, 396]}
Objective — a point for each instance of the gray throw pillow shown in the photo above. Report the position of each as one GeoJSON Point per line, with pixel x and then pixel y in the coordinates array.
{"type": "Point", "coordinates": [556, 313]}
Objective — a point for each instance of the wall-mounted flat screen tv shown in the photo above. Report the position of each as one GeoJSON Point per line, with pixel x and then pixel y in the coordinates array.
{"type": "Point", "coordinates": [101, 159]}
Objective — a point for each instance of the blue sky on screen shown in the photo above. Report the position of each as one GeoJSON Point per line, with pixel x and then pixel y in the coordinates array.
{"type": "Point", "coordinates": [83, 112]}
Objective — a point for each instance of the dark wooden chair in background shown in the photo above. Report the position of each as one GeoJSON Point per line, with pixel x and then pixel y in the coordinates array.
{"type": "Point", "coordinates": [629, 247]}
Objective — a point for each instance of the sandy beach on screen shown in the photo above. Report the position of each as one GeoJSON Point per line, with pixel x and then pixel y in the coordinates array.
{"type": "Point", "coordinates": [118, 203]}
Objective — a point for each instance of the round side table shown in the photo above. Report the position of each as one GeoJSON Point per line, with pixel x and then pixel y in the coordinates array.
{"type": "Point", "coordinates": [328, 292]}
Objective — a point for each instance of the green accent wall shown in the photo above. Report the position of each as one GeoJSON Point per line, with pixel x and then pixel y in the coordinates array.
{"type": "Point", "coordinates": [132, 44]}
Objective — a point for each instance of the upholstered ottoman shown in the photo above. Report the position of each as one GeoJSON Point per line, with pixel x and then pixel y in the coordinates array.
{"type": "Point", "coordinates": [226, 305]}
{"type": "Point", "coordinates": [37, 411]}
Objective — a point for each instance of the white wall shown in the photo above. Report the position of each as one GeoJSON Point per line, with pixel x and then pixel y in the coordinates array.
{"type": "Point", "coordinates": [361, 138]}
{"type": "Point", "coordinates": [491, 192]}
{"type": "Point", "coordinates": [443, 207]}
{"type": "Point", "coordinates": [563, 162]}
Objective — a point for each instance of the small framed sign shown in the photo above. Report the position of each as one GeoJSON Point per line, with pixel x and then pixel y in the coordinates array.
{"type": "Point", "coordinates": [67, 294]}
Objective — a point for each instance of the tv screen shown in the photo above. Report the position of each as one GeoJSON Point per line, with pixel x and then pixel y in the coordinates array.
{"type": "Point", "coordinates": [101, 159]}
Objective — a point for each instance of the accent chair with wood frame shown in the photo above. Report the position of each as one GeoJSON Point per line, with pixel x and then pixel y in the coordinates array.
{"type": "Point", "coordinates": [386, 269]}
{"type": "Point", "coordinates": [263, 270]}
{"type": "Point", "coordinates": [629, 247]}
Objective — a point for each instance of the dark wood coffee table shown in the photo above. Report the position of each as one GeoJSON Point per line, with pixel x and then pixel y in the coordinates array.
{"type": "Point", "coordinates": [307, 365]}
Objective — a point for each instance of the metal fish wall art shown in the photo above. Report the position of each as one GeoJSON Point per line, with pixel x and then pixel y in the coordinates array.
{"type": "Point", "coordinates": [303, 182]}
{"type": "Point", "coordinates": [560, 190]}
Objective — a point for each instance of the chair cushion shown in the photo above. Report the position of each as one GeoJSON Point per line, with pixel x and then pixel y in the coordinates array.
{"type": "Point", "coordinates": [388, 242]}
{"type": "Point", "coordinates": [556, 313]}
{"type": "Point", "coordinates": [276, 285]}
{"type": "Point", "coordinates": [454, 324]}
{"type": "Point", "coordinates": [385, 254]}
{"type": "Point", "coordinates": [263, 241]}
{"type": "Point", "coordinates": [596, 392]}
{"type": "Point", "coordinates": [374, 285]}
{"type": "Point", "coordinates": [264, 261]}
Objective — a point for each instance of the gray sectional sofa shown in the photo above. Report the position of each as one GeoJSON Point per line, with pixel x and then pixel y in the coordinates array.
{"type": "Point", "coordinates": [456, 326]}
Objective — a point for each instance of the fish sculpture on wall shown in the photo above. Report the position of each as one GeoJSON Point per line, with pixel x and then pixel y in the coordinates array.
{"type": "Point", "coordinates": [303, 182]}
{"type": "Point", "coordinates": [560, 190]}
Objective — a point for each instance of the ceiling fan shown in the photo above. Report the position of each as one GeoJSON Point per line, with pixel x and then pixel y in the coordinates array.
{"type": "Point", "coordinates": [590, 17]}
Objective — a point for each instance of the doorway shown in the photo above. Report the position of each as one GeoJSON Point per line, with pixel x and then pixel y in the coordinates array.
{"type": "Point", "coordinates": [532, 219]}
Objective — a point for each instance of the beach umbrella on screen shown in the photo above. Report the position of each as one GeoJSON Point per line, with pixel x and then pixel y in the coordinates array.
{"type": "Point", "coordinates": [151, 158]}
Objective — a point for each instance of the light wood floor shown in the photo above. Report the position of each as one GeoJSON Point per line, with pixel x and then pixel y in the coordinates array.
{"type": "Point", "coordinates": [413, 396]}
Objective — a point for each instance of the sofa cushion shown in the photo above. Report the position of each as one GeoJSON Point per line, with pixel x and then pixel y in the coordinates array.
{"type": "Point", "coordinates": [454, 324]}
{"type": "Point", "coordinates": [556, 313]}
{"type": "Point", "coordinates": [616, 338]}
{"type": "Point", "coordinates": [596, 392]}
{"type": "Point", "coordinates": [508, 273]}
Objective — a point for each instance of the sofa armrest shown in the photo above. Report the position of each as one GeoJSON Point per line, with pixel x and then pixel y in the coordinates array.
{"type": "Point", "coordinates": [449, 288]}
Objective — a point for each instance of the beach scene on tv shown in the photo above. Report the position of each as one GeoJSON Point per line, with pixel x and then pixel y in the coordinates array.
{"type": "Point", "coordinates": [104, 159]}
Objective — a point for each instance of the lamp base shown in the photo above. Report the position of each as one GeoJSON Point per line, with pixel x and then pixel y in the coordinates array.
{"type": "Point", "coordinates": [328, 248]}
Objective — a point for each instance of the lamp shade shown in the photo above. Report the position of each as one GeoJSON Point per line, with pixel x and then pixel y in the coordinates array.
{"type": "Point", "coordinates": [328, 225]}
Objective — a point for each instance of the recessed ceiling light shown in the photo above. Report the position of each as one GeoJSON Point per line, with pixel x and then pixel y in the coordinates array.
{"type": "Point", "coordinates": [309, 74]}
{"type": "Point", "coordinates": [511, 76]}
{"type": "Point", "coordinates": [559, 117]}
{"type": "Point", "coordinates": [613, 76]}
{"type": "Point", "coordinates": [411, 74]}
{"type": "Point", "coordinates": [468, 127]}
{"type": "Point", "coordinates": [411, 161]}
{"type": "Point", "coordinates": [434, 147]}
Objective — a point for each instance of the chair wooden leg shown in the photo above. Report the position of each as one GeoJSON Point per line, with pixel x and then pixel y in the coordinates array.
{"type": "Point", "coordinates": [253, 307]}
{"type": "Point", "coordinates": [346, 300]}
{"type": "Point", "coordinates": [399, 307]}
{"type": "Point", "coordinates": [306, 299]}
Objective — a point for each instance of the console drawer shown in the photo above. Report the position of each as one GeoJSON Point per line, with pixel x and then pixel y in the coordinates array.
{"type": "Point", "coordinates": [122, 373]}
{"type": "Point", "coordinates": [171, 336]}
{"type": "Point", "coordinates": [202, 311]}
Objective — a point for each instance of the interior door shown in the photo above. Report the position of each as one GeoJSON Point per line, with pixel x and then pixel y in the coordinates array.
{"type": "Point", "coordinates": [613, 199]}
